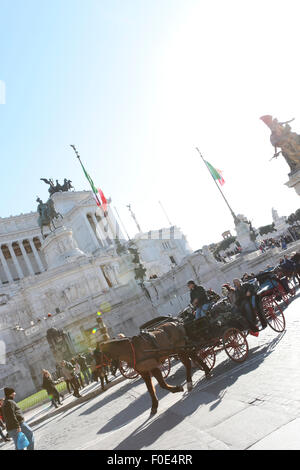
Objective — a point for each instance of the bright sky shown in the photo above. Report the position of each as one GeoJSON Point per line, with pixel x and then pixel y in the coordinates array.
{"type": "Point", "coordinates": [136, 85]}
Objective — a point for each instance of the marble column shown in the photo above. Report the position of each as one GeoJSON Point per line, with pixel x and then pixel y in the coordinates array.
{"type": "Point", "coordinates": [15, 260]}
{"type": "Point", "coordinates": [98, 230]}
{"type": "Point", "coordinates": [26, 258]}
{"type": "Point", "coordinates": [36, 255]}
{"type": "Point", "coordinates": [5, 266]}
{"type": "Point", "coordinates": [94, 238]}
{"type": "Point", "coordinates": [105, 222]}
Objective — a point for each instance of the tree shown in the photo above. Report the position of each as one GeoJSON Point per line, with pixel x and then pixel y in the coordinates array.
{"type": "Point", "coordinates": [267, 229]}
{"type": "Point", "coordinates": [294, 217]}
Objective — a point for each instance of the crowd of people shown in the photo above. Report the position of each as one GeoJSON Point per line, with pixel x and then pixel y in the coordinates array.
{"type": "Point", "coordinates": [263, 246]}
{"type": "Point", "coordinates": [280, 242]}
{"type": "Point", "coordinates": [78, 372]}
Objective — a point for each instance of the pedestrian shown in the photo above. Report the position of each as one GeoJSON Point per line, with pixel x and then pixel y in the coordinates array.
{"type": "Point", "coordinates": [77, 371]}
{"type": "Point", "coordinates": [68, 373]}
{"type": "Point", "coordinates": [100, 366]}
{"type": "Point", "coordinates": [84, 368]}
{"type": "Point", "coordinates": [2, 424]}
{"type": "Point", "coordinates": [283, 244]}
{"type": "Point", "coordinates": [49, 386]}
{"type": "Point", "coordinates": [14, 419]}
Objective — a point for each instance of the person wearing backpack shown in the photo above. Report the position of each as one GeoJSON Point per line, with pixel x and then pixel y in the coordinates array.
{"type": "Point", "coordinates": [14, 419]}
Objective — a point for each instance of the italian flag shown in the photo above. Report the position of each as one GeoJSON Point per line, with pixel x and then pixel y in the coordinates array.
{"type": "Point", "coordinates": [216, 174]}
{"type": "Point", "coordinates": [99, 197]}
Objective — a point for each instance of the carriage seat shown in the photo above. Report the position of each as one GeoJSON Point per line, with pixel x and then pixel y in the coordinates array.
{"type": "Point", "coordinates": [267, 288]}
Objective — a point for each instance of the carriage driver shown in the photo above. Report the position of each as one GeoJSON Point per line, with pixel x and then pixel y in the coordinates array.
{"type": "Point", "coordinates": [199, 299]}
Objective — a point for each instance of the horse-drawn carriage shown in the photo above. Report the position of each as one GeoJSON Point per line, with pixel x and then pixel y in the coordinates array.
{"type": "Point", "coordinates": [222, 329]}
{"type": "Point", "coordinates": [205, 337]}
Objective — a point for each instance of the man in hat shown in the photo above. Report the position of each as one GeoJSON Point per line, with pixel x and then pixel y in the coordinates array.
{"type": "Point", "coordinates": [14, 419]}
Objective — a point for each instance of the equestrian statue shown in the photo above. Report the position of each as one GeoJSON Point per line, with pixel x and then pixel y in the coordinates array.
{"type": "Point", "coordinates": [47, 214]}
{"type": "Point", "coordinates": [56, 188]}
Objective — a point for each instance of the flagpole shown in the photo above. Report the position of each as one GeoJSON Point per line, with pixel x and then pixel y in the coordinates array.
{"type": "Point", "coordinates": [78, 156]}
{"type": "Point", "coordinates": [165, 213]}
{"type": "Point", "coordinates": [232, 213]}
{"type": "Point", "coordinates": [122, 223]}
{"type": "Point", "coordinates": [134, 218]}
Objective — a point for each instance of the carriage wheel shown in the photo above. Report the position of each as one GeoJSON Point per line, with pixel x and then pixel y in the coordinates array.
{"type": "Point", "coordinates": [165, 367]}
{"type": "Point", "coordinates": [207, 355]}
{"type": "Point", "coordinates": [274, 315]}
{"type": "Point", "coordinates": [127, 371]}
{"type": "Point", "coordinates": [235, 345]}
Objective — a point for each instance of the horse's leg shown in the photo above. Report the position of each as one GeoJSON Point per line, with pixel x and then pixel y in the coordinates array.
{"type": "Point", "coordinates": [171, 388]}
{"type": "Point", "coordinates": [202, 364]}
{"type": "Point", "coordinates": [148, 381]}
{"type": "Point", "coordinates": [186, 361]}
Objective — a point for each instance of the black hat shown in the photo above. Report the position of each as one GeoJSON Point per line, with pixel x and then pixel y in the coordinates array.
{"type": "Point", "coordinates": [191, 282]}
{"type": "Point", "coordinates": [8, 392]}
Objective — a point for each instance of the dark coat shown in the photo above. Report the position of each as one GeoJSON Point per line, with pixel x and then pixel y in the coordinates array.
{"type": "Point", "coordinates": [240, 293]}
{"type": "Point", "coordinates": [12, 414]}
{"type": "Point", "coordinates": [199, 293]}
{"type": "Point", "coordinates": [49, 385]}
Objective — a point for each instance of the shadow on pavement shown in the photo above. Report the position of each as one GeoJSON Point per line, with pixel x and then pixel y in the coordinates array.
{"type": "Point", "coordinates": [150, 431]}
{"type": "Point", "coordinates": [111, 396]}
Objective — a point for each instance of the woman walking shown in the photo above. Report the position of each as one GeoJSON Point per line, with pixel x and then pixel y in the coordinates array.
{"type": "Point", "coordinates": [49, 386]}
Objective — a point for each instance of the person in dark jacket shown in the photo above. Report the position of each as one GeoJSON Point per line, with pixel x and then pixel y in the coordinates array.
{"type": "Point", "coordinates": [49, 386]}
{"type": "Point", "coordinates": [84, 368]}
{"type": "Point", "coordinates": [69, 374]}
{"type": "Point", "coordinates": [14, 419]}
{"type": "Point", "coordinates": [101, 367]}
{"type": "Point", "coordinates": [2, 424]}
{"type": "Point", "coordinates": [198, 299]}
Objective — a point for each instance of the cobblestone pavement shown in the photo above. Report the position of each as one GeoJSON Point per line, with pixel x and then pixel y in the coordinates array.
{"type": "Point", "coordinates": [253, 405]}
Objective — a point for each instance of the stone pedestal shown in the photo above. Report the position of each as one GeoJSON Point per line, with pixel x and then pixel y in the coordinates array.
{"type": "Point", "coordinates": [294, 181]}
{"type": "Point", "coordinates": [60, 247]}
{"type": "Point", "coordinates": [243, 237]}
